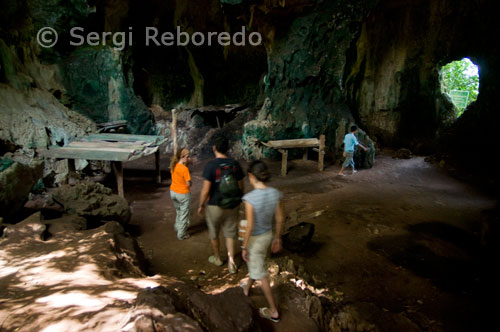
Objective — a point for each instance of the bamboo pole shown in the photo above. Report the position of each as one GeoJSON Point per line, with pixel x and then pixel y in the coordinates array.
{"type": "Point", "coordinates": [157, 165]}
{"type": "Point", "coordinates": [174, 130]}
{"type": "Point", "coordinates": [321, 153]}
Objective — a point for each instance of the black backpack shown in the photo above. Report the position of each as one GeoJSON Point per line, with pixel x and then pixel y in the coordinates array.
{"type": "Point", "coordinates": [228, 195]}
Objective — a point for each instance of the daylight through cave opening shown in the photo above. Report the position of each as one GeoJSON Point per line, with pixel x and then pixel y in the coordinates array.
{"type": "Point", "coordinates": [460, 82]}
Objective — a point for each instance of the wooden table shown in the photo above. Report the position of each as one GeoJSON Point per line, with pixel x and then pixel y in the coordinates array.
{"type": "Point", "coordinates": [116, 148]}
{"type": "Point", "coordinates": [318, 145]}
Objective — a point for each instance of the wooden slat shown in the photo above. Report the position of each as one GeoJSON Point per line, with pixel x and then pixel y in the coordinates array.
{"type": "Point", "coordinates": [152, 139]}
{"type": "Point", "coordinates": [146, 152]}
{"type": "Point", "coordinates": [293, 143]}
{"type": "Point", "coordinates": [77, 153]}
{"type": "Point", "coordinates": [139, 145]}
{"type": "Point", "coordinates": [112, 123]}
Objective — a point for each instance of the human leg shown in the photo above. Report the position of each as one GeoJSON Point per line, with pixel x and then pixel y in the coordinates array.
{"type": "Point", "coordinates": [230, 231]}
{"type": "Point", "coordinates": [176, 204]}
{"type": "Point", "coordinates": [247, 285]}
{"type": "Point", "coordinates": [266, 289]}
{"type": "Point", "coordinates": [213, 217]}
{"type": "Point", "coordinates": [182, 221]}
{"type": "Point", "coordinates": [345, 164]}
{"type": "Point", "coordinates": [349, 161]}
{"type": "Point", "coordinates": [215, 258]}
{"type": "Point", "coordinates": [231, 248]}
{"type": "Point", "coordinates": [352, 164]}
{"type": "Point", "coordinates": [258, 247]}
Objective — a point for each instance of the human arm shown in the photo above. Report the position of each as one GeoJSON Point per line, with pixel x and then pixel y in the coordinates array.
{"type": "Point", "coordinates": [204, 196]}
{"type": "Point", "coordinates": [356, 142]}
{"type": "Point", "coordinates": [187, 178]}
{"type": "Point", "coordinates": [363, 147]}
{"type": "Point", "coordinates": [279, 216]}
{"type": "Point", "coordinates": [249, 215]}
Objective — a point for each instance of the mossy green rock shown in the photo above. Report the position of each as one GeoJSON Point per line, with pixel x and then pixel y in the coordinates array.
{"type": "Point", "coordinates": [98, 89]}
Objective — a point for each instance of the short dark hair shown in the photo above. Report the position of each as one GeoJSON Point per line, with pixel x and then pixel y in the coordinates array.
{"type": "Point", "coordinates": [260, 170]}
{"type": "Point", "coordinates": [220, 142]}
{"type": "Point", "coordinates": [353, 128]}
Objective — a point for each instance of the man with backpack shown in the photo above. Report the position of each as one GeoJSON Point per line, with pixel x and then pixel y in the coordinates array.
{"type": "Point", "coordinates": [221, 192]}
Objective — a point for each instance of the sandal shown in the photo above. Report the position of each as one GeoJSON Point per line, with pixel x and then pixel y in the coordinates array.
{"type": "Point", "coordinates": [215, 260]}
{"type": "Point", "coordinates": [232, 268]}
{"type": "Point", "coordinates": [184, 237]}
{"type": "Point", "coordinates": [265, 312]}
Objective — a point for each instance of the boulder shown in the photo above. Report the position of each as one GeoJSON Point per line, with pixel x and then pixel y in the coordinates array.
{"type": "Point", "coordinates": [228, 311]}
{"type": "Point", "coordinates": [44, 202]}
{"type": "Point", "coordinates": [349, 319]}
{"type": "Point", "coordinates": [131, 259]}
{"type": "Point", "coordinates": [154, 310]}
{"type": "Point", "coordinates": [402, 154]}
{"type": "Point", "coordinates": [31, 228]}
{"type": "Point", "coordinates": [16, 182]}
{"type": "Point", "coordinates": [298, 237]}
{"type": "Point", "coordinates": [92, 201]}
{"type": "Point", "coordinates": [66, 224]}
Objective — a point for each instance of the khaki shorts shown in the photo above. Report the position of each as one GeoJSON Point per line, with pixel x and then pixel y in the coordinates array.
{"type": "Point", "coordinates": [218, 218]}
{"type": "Point", "coordinates": [258, 246]}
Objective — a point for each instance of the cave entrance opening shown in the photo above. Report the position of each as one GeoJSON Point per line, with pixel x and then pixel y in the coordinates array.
{"type": "Point", "coordinates": [460, 81]}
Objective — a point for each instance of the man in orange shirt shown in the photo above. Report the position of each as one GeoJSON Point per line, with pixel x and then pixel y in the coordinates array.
{"type": "Point", "coordinates": [180, 192]}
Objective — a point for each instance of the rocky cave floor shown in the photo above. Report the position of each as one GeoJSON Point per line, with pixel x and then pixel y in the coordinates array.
{"type": "Point", "coordinates": [399, 243]}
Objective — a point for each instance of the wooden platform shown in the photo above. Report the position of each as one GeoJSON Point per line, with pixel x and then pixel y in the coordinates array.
{"type": "Point", "coordinates": [282, 146]}
{"type": "Point", "coordinates": [116, 148]}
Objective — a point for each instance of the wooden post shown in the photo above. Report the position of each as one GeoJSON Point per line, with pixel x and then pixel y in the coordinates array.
{"type": "Point", "coordinates": [284, 159]}
{"type": "Point", "coordinates": [304, 156]}
{"type": "Point", "coordinates": [321, 152]}
{"type": "Point", "coordinates": [157, 164]}
{"type": "Point", "coordinates": [118, 168]}
{"type": "Point", "coordinates": [174, 130]}
{"type": "Point", "coordinates": [71, 169]}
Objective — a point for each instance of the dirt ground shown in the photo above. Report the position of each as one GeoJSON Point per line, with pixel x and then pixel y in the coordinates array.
{"type": "Point", "coordinates": [398, 241]}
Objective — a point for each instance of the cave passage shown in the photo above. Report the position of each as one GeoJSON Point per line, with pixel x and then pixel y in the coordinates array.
{"type": "Point", "coordinates": [460, 82]}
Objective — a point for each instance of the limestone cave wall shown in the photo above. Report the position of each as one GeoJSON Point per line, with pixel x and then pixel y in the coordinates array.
{"type": "Point", "coordinates": [393, 84]}
{"type": "Point", "coordinates": [322, 66]}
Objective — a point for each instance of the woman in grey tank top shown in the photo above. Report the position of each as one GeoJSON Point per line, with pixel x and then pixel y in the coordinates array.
{"type": "Point", "coordinates": [261, 205]}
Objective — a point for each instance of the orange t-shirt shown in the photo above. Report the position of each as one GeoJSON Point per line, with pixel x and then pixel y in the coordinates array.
{"type": "Point", "coordinates": [180, 177]}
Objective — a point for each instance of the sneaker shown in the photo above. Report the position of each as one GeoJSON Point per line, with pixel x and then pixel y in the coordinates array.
{"type": "Point", "coordinates": [215, 260]}
{"type": "Point", "coordinates": [184, 237]}
{"type": "Point", "coordinates": [354, 171]}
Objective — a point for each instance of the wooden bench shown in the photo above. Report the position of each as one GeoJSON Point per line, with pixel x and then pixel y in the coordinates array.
{"type": "Point", "coordinates": [112, 126]}
{"type": "Point", "coordinates": [318, 145]}
{"type": "Point", "coordinates": [116, 148]}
